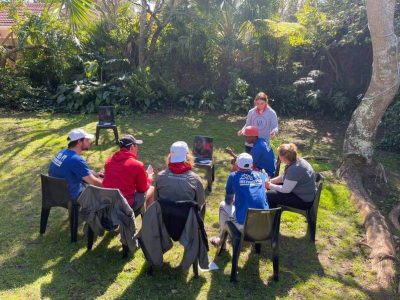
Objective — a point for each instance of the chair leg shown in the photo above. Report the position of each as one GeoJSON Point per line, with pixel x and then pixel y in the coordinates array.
{"type": "Point", "coordinates": [222, 242]}
{"type": "Point", "coordinates": [236, 243]}
{"type": "Point", "coordinates": [150, 270]}
{"type": "Point", "coordinates": [97, 135]}
{"type": "Point", "coordinates": [275, 260]}
{"type": "Point", "coordinates": [312, 224]}
{"type": "Point", "coordinates": [44, 216]}
{"type": "Point", "coordinates": [90, 238]}
{"type": "Point", "coordinates": [258, 248]}
{"type": "Point", "coordinates": [125, 251]}
{"type": "Point", "coordinates": [116, 135]}
{"type": "Point", "coordinates": [209, 180]}
{"type": "Point", "coordinates": [203, 212]}
{"type": "Point", "coordinates": [196, 268]}
{"type": "Point", "coordinates": [74, 222]}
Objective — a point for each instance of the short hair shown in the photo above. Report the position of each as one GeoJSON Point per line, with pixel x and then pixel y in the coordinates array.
{"type": "Point", "coordinates": [189, 159]}
{"type": "Point", "coordinates": [288, 151]}
{"type": "Point", "coordinates": [72, 144]}
{"type": "Point", "coordinates": [261, 96]}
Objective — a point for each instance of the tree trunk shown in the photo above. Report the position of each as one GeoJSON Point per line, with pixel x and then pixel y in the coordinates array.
{"type": "Point", "coordinates": [360, 135]}
{"type": "Point", "coordinates": [384, 83]}
{"type": "Point", "coordinates": [142, 34]}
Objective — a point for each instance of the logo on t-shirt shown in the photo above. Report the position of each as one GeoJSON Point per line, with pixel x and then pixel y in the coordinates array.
{"type": "Point", "coordinates": [249, 180]}
{"type": "Point", "coordinates": [261, 122]}
{"type": "Point", "coordinates": [59, 159]}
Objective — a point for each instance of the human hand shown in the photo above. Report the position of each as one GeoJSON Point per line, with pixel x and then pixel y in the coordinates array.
{"type": "Point", "coordinates": [272, 135]}
{"type": "Point", "coordinates": [240, 132]}
{"type": "Point", "coordinates": [268, 183]}
{"type": "Point", "coordinates": [150, 170]}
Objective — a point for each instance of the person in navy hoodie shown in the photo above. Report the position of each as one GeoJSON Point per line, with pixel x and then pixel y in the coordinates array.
{"type": "Point", "coordinates": [245, 189]}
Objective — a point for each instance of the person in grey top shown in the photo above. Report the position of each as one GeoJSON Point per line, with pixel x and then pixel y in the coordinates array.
{"type": "Point", "coordinates": [178, 182]}
{"type": "Point", "coordinates": [263, 117]}
{"type": "Point", "coordinates": [296, 188]}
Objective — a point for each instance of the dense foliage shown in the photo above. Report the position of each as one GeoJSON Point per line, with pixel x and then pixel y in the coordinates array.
{"type": "Point", "coordinates": [310, 56]}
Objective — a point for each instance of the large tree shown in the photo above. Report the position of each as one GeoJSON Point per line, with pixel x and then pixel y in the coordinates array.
{"type": "Point", "coordinates": [360, 135]}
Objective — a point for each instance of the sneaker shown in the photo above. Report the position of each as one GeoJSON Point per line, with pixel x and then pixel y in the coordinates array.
{"type": "Point", "coordinates": [215, 241]}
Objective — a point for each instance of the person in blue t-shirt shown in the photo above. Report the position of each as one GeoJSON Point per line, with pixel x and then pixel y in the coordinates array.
{"type": "Point", "coordinates": [69, 164]}
{"type": "Point", "coordinates": [262, 153]}
{"type": "Point", "coordinates": [245, 189]}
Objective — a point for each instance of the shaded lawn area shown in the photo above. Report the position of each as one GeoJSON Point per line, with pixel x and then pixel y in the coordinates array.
{"type": "Point", "coordinates": [34, 266]}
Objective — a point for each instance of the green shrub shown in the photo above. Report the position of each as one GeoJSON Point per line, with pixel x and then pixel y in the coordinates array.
{"type": "Point", "coordinates": [391, 126]}
{"type": "Point", "coordinates": [17, 93]}
{"type": "Point", "coordinates": [238, 98]}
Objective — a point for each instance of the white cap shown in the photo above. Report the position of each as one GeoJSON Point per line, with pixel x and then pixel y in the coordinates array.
{"type": "Point", "coordinates": [244, 161]}
{"type": "Point", "coordinates": [178, 151]}
{"type": "Point", "coordinates": [79, 133]}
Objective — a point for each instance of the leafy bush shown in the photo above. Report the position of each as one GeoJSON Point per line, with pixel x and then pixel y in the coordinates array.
{"type": "Point", "coordinates": [19, 94]}
{"type": "Point", "coordinates": [238, 99]}
{"type": "Point", "coordinates": [391, 126]}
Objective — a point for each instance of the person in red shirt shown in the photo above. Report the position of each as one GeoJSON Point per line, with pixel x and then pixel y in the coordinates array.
{"type": "Point", "coordinates": [125, 172]}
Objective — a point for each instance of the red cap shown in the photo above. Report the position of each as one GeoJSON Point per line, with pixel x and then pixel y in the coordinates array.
{"type": "Point", "coordinates": [251, 131]}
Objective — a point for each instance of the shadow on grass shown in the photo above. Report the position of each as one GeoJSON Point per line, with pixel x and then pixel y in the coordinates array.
{"type": "Point", "coordinates": [89, 275]}
{"type": "Point", "coordinates": [168, 281]}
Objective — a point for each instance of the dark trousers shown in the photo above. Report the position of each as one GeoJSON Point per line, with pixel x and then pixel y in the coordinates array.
{"type": "Point", "coordinates": [276, 199]}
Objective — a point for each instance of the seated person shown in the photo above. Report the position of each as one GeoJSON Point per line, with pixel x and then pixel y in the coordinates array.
{"type": "Point", "coordinates": [296, 188]}
{"type": "Point", "coordinates": [245, 189]}
{"type": "Point", "coordinates": [125, 172]}
{"type": "Point", "coordinates": [178, 182]}
{"type": "Point", "coordinates": [70, 165]}
{"type": "Point", "coordinates": [262, 153]}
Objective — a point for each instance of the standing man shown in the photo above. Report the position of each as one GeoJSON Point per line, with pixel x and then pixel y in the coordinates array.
{"type": "Point", "coordinates": [245, 189]}
{"type": "Point", "coordinates": [70, 165]}
{"type": "Point", "coordinates": [263, 117]}
{"type": "Point", "coordinates": [125, 172]}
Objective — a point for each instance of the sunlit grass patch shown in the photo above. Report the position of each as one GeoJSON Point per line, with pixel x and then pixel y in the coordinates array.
{"type": "Point", "coordinates": [48, 266]}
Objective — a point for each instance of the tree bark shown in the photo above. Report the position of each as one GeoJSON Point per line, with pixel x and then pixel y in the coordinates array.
{"type": "Point", "coordinates": [142, 33]}
{"type": "Point", "coordinates": [378, 235]}
{"type": "Point", "coordinates": [384, 83]}
{"type": "Point", "coordinates": [360, 135]}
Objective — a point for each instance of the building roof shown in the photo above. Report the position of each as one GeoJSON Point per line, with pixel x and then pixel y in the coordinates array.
{"type": "Point", "coordinates": [35, 8]}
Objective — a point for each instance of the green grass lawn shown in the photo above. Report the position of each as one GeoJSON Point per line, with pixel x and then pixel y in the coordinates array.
{"type": "Point", "coordinates": [48, 266]}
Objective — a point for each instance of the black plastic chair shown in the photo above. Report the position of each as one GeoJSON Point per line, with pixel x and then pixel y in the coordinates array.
{"type": "Point", "coordinates": [311, 213]}
{"type": "Point", "coordinates": [203, 154]}
{"type": "Point", "coordinates": [174, 215]}
{"type": "Point", "coordinates": [106, 121]}
{"type": "Point", "coordinates": [260, 227]}
{"type": "Point", "coordinates": [55, 194]}
{"type": "Point", "coordinates": [277, 167]}
{"type": "Point", "coordinates": [108, 226]}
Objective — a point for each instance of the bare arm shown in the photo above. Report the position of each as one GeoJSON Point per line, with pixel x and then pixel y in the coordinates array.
{"type": "Point", "coordinates": [91, 179]}
{"type": "Point", "coordinates": [286, 187]}
{"type": "Point", "coordinates": [277, 180]}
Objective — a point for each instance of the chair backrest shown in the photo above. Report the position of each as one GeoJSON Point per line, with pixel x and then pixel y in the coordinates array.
{"type": "Point", "coordinates": [261, 224]}
{"type": "Point", "coordinates": [54, 192]}
{"type": "Point", "coordinates": [277, 167]}
{"type": "Point", "coordinates": [319, 180]}
{"type": "Point", "coordinates": [106, 115]}
{"type": "Point", "coordinates": [203, 147]}
{"type": "Point", "coordinates": [174, 215]}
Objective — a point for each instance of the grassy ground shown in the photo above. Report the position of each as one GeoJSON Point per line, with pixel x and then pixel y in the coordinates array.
{"type": "Point", "coordinates": [34, 266]}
